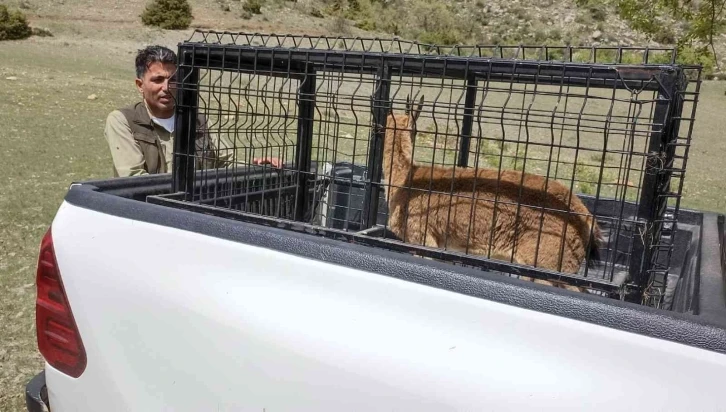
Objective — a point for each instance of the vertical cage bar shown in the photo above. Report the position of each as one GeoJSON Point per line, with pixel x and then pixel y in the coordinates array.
{"type": "Point", "coordinates": [671, 136]}
{"type": "Point", "coordinates": [469, 102]}
{"type": "Point", "coordinates": [665, 226]}
{"type": "Point", "coordinates": [306, 111]}
{"type": "Point", "coordinates": [653, 188]}
{"type": "Point", "coordinates": [375, 157]}
{"type": "Point", "coordinates": [186, 124]}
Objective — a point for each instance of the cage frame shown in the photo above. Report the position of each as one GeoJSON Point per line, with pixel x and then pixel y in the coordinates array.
{"type": "Point", "coordinates": [268, 54]}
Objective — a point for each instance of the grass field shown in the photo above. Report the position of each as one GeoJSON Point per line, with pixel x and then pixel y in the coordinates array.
{"type": "Point", "coordinates": [52, 135]}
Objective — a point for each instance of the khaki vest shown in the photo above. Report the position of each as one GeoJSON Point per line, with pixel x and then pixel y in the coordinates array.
{"type": "Point", "coordinates": [142, 130]}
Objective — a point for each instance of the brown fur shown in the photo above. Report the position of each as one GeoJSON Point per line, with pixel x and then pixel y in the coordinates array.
{"type": "Point", "coordinates": [454, 208]}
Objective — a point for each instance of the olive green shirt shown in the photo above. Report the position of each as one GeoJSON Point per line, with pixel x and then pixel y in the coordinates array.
{"type": "Point", "coordinates": [128, 158]}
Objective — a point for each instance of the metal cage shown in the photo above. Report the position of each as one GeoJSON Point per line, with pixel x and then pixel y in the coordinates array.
{"type": "Point", "coordinates": [612, 124]}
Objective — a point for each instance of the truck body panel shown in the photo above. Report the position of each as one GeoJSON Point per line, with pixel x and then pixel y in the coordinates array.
{"type": "Point", "coordinates": [203, 314]}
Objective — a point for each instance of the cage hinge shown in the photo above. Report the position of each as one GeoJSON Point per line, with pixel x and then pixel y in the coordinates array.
{"type": "Point", "coordinates": [655, 163]}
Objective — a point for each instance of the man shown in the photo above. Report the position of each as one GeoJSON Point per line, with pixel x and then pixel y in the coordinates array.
{"type": "Point", "coordinates": [141, 136]}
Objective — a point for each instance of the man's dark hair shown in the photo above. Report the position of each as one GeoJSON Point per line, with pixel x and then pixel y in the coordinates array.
{"type": "Point", "coordinates": [152, 54]}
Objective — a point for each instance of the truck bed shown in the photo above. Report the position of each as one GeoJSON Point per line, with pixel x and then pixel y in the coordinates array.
{"type": "Point", "coordinates": [231, 315]}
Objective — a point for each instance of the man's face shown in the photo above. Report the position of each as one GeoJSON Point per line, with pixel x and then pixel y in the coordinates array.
{"type": "Point", "coordinates": [154, 87]}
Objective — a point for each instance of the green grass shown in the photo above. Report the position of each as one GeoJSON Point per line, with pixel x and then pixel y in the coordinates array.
{"type": "Point", "coordinates": [705, 182]}
{"type": "Point", "coordinates": [52, 135]}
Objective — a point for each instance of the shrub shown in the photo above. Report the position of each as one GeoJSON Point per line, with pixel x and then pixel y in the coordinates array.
{"type": "Point", "coordinates": [335, 7]}
{"type": "Point", "coordinates": [606, 56]}
{"type": "Point", "coordinates": [366, 24]}
{"type": "Point", "coordinates": [665, 36]}
{"type": "Point", "coordinates": [359, 10]}
{"type": "Point", "coordinates": [540, 36]}
{"type": "Point", "coordinates": [556, 54]}
{"type": "Point", "coordinates": [584, 19]}
{"type": "Point", "coordinates": [363, 14]}
{"type": "Point", "coordinates": [339, 25]}
{"type": "Point", "coordinates": [13, 25]}
{"type": "Point", "coordinates": [701, 55]}
{"type": "Point", "coordinates": [598, 12]}
{"type": "Point", "coordinates": [253, 6]}
{"type": "Point", "coordinates": [440, 38]}
{"type": "Point", "coordinates": [353, 8]}
{"type": "Point", "coordinates": [520, 13]}
{"type": "Point", "coordinates": [168, 14]}
{"type": "Point", "coordinates": [632, 57]}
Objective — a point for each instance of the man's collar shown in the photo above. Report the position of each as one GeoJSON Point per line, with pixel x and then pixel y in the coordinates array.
{"type": "Point", "coordinates": [144, 114]}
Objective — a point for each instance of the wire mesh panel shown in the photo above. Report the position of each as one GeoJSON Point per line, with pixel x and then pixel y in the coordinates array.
{"type": "Point", "coordinates": [521, 160]}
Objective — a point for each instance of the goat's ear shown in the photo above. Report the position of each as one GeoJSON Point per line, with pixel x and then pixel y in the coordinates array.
{"type": "Point", "coordinates": [418, 109]}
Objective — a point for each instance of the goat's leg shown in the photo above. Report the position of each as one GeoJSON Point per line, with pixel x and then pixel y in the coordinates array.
{"type": "Point", "coordinates": [506, 255]}
{"type": "Point", "coordinates": [418, 235]}
{"type": "Point", "coordinates": [548, 256]}
{"type": "Point", "coordinates": [543, 251]}
{"type": "Point", "coordinates": [430, 240]}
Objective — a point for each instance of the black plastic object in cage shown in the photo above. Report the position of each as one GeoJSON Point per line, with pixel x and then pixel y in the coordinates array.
{"type": "Point", "coordinates": [611, 124]}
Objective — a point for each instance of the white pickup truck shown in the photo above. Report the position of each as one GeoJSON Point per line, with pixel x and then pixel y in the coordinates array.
{"type": "Point", "coordinates": [166, 293]}
{"type": "Point", "coordinates": [145, 307]}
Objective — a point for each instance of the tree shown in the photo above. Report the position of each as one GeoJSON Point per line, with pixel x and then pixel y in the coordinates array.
{"type": "Point", "coordinates": [701, 20]}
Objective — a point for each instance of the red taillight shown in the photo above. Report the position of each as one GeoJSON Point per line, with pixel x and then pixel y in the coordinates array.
{"type": "Point", "coordinates": [58, 338]}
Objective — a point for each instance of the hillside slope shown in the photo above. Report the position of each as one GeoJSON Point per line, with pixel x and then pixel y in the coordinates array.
{"type": "Point", "coordinates": [536, 22]}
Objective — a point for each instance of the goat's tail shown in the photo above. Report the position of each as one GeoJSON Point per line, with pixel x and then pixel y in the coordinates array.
{"type": "Point", "coordinates": [589, 229]}
{"type": "Point", "coordinates": [595, 240]}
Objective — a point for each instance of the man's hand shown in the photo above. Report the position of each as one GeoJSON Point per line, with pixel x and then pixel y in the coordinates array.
{"type": "Point", "coordinates": [274, 161]}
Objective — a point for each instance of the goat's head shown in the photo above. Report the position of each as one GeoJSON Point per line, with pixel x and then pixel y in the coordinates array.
{"type": "Point", "coordinates": [407, 123]}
